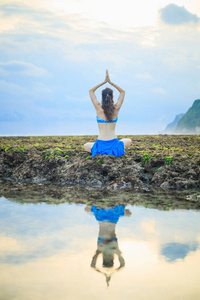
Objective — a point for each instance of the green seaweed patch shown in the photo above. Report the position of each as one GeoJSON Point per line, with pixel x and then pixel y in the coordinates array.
{"type": "Point", "coordinates": [88, 157]}
{"type": "Point", "coordinates": [145, 158]}
{"type": "Point", "coordinates": [168, 160]}
{"type": "Point", "coordinates": [20, 149]}
{"type": "Point", "coordinates": [58, 149]}
{"type": "Point", "coordinates": [49, 156]}
{"type": "Point", "coordinates": [100, 161]}
{"type": "Point", "coordinates": [168, 207]}
{"type": "Point", "coordinates": [6, 149]}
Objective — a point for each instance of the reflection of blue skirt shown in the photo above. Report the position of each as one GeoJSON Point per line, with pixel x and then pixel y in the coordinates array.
{"type": "Point", "coordinates": [110, 147]}
{"type": "Point", "coordinates": [111, 214]}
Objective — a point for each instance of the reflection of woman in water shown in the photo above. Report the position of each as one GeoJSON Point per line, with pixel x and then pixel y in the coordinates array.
{"type": "Point", "coordinates": [107, 116]}
{"type": "Point", "coordinates": [107, 243]}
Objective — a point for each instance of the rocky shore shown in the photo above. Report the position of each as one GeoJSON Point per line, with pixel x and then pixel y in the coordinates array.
{"type": "Point", "coordinates": [159, 161]}
{"type": "Point", "coordinates": [164, 161]}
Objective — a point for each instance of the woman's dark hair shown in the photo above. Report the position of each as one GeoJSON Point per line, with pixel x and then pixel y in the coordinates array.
{"type": "Point", "coordinates": [107, 103]}
{"type": "Point", "coordinates": [108, 260]}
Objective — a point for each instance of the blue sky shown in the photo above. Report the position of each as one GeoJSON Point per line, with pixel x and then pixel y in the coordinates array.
{"type": "Point", "coordinates": [52, 52]}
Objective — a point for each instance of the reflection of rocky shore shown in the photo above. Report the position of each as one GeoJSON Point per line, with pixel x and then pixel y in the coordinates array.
{"type": "Point", "coordinates": [159, 161]}
{"type": "Point", "coordinates": [57, 194]}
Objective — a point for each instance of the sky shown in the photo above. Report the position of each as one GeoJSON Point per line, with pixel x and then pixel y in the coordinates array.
{"type": "Point", "coordinates": [53, 51]}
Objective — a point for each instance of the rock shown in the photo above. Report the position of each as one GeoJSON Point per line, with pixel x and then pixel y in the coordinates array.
{"type": "Point", "coordinates": [167, 185]}
{"type": "Point", "coordinates": [194, 197]}
{"type": "Point", "coordinates": [186, 184]}
{"type": "Point", "coordinates": [165, 165]}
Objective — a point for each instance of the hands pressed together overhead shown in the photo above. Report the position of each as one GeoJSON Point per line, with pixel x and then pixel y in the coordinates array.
{"type": "Point", "coordinates": [107, 79]}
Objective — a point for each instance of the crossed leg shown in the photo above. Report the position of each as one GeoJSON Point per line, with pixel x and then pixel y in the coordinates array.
{"type": "Point", "coordinates": [88, 147]}
{"type": "Point", "coordinates": [127, 142]}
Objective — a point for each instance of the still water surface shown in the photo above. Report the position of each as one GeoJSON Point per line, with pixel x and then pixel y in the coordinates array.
{"type": "Point", "coordinates": [73, 252]}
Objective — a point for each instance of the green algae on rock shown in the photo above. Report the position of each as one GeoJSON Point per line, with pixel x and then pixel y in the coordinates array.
{"type": "Point", "coordinates": [165, 161]}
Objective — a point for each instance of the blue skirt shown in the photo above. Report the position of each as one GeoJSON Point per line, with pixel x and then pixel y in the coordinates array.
{"type": "Point", "coordinates": [110, 147]}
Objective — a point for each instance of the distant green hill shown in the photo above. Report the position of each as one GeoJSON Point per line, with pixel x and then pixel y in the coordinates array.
{"type": "Point", "coordinates": [171, 126]}
{"type": "Point", "coordinates": [190, 121]}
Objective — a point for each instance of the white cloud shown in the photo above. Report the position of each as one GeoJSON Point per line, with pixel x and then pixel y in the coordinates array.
{"type": "Point", "coordinates": [22, 68]}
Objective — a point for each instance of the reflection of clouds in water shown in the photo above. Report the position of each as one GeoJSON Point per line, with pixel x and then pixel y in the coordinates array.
{"type": "Point", "coordinates": [174, 251]}
{"type": "Point", "coordinates": [149, 227]}
{"type": "Point", "coordinates": [69, 240]}
{"type": "Point", "coordinates": [59, 250]}
{"type": "Point", "coordinates": [32, 231]}
{"type": "Point", "coordinates": [7, 243]}
{"type": "Point", "coordinates": [178, 226]}
{"type": "Point", "coordinates": [27, 253]}
{"type": "Point", "coordinates": [31, 220]}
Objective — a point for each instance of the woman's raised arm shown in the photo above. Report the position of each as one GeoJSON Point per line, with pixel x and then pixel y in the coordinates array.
{"type": "Point", "coordinates": [93, 96]}
{"type": "Point", "coordinates": [120, 100]}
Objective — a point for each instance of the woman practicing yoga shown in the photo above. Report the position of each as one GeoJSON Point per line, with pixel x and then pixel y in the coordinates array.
{"type": "Point", "coordinates": [107, 116]}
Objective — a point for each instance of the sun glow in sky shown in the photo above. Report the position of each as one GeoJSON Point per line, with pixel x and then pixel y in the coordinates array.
{"type": "Point", "coordinates": [53, 52]}
{"type": "Point", "coordinates": [125, 14]}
